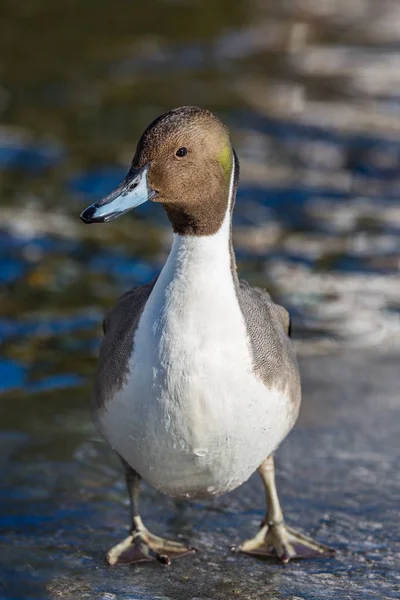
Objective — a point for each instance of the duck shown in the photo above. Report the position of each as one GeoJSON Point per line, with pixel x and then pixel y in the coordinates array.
{"type": "Point", "coordinates": [197, 381]}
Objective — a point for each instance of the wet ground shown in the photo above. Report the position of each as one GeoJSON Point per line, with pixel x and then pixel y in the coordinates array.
{"type": "Point", "coordinates": [310, 91]}
{"type": "Point", "coordinates": [338, 477]}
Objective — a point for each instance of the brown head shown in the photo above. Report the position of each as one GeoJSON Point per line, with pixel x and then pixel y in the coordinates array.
{"type": "Point", "coordinates": [184, 161]}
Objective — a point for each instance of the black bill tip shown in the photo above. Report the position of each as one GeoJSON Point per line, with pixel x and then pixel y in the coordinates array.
{"type": "Point", "coordinates": [88, 216]}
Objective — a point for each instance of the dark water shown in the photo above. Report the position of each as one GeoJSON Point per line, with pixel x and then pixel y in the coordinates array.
{"type": "Point", "coordinates": [311, 93]}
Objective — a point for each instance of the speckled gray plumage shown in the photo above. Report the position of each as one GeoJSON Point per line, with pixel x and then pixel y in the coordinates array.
{"type": "Point", "coordinates": [119, 328]}
{"type": "Point", "coordinates": [268, 326]}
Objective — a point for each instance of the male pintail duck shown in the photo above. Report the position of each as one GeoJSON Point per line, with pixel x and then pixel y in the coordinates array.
{"type": "Point", "coordinates": [197, 383]}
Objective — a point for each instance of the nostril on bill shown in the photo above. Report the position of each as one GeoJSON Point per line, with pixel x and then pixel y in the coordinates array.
{"type": "Point", "coordinates": [132, 185]}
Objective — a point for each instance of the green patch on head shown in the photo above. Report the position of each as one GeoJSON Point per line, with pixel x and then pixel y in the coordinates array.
{"type": "Point", "coordinates": [225, 160]}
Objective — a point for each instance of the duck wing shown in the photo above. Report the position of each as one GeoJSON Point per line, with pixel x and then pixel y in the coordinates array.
{"type": "Point", "coordinates": [119, 328]}
{"type": "Point", "coordinates": [269, 327]}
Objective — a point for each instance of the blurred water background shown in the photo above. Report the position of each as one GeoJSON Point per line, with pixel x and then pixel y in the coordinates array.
{"type": "Point", "coordinates": [310, 90]}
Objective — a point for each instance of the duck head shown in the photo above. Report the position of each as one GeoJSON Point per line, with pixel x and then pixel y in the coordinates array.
{"type": "Point", "coordinates": [184, 161]}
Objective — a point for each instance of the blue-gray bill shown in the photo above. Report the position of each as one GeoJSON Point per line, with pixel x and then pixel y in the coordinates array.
{"type": "Point", "coordinates": [132, 192]}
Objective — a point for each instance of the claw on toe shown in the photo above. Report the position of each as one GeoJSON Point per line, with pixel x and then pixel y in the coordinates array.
{"type": "Point", "coordinates": [143, 546]}
{"type": "Point", "coordinates": [279, 541]}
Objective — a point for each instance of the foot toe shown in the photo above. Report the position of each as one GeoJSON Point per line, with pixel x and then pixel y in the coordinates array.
{"type": "Point", "coordinates": [283, 543]}
{"type": "Point", "coordinates": [142, 547]}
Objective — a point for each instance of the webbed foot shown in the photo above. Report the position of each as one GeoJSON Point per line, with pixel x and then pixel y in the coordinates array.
{"type": "Point", "coordinates": [285, 543]}
{"type": "Point", "coordinates": [143, 546]}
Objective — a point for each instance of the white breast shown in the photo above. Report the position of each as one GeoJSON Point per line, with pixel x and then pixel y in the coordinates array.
{"type": "Point", "coordinates": [193, 419]}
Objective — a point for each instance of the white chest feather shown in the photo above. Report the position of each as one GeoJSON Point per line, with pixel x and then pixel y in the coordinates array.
{"type": "Point", "coordinates": [194, 420]}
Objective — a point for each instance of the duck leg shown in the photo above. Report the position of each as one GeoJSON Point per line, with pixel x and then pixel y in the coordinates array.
{"type": "Point", "coordinates": [141, 545]}
{"type": "Point", "coordinates": [275, 538]}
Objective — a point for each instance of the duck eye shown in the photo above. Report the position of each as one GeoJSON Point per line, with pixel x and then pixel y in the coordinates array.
{"type": "Point", "coordinates": [181, 152]}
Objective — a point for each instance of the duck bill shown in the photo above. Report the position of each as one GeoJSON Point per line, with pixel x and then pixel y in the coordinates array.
{"type": "Point", "coordinates": [132, 192]}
